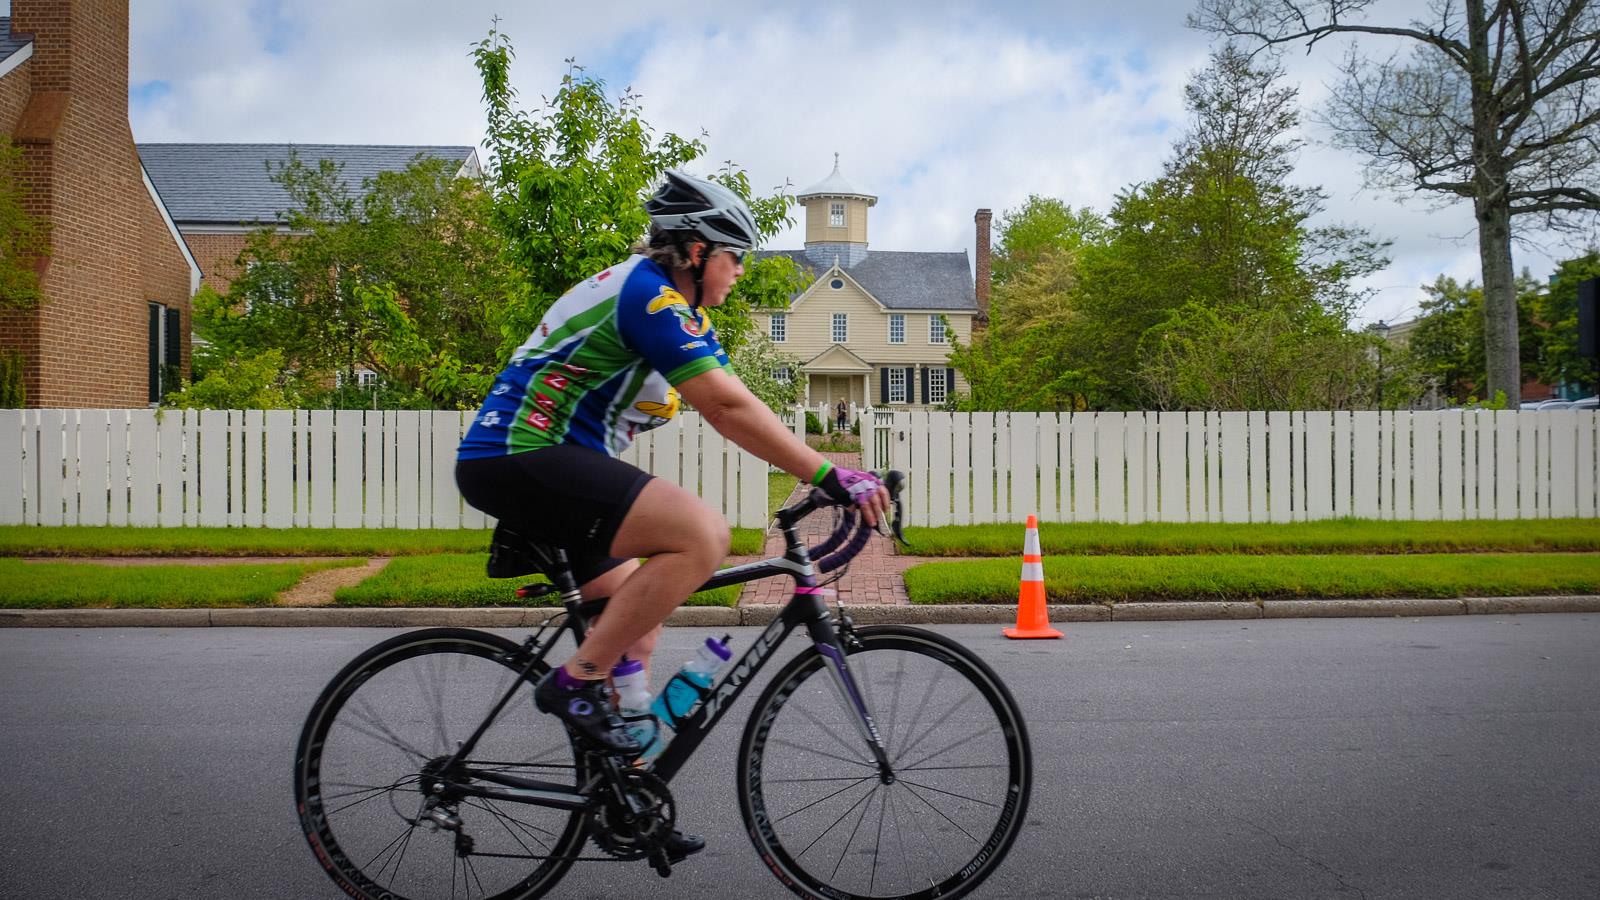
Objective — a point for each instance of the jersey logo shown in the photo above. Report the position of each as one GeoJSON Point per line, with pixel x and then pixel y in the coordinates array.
{"type": "Point", "coordinates": [692, 321]}
{"type": "Point", "coordinates": [539, 420]}
{"type": "Point", "coordinates": [576, 370]}
{"type": "Point", "coordinates": [556, 382]}
{"type": "Point", "coordinates": [661, 410]}
{"type": "Point", "coordinates": [548, 403]}
{"type": "Point", "coordinates": [668, 299]}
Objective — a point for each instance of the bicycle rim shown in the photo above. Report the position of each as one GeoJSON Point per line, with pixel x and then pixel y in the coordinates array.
{"type": "Point", "coordinates": [399, 705]}
{"type": "Point", "coordinates": [812, 799]}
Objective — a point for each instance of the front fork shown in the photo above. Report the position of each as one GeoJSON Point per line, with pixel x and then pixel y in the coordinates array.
{"type": "Point", "coordinates": [834, 642]}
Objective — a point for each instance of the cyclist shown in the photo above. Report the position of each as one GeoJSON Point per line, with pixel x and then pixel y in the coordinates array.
{"type": "Point", "coordinates": [614, 356]}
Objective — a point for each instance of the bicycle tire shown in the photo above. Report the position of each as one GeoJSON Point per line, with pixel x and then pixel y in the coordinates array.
{"type": "Point", "coordinates": [378, 703]}
{"type": "Point", "coordinates": [991, 731]}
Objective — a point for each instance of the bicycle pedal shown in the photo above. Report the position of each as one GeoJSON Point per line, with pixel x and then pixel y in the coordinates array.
{"type": "Point", "coordinates": [662, 865]}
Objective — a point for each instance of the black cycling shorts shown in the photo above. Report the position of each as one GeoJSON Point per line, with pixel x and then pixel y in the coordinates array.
{"type": "Point", "coordinates": [569, 496]}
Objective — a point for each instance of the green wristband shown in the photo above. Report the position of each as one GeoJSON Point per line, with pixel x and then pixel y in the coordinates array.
{"type": "Point", "coordinates": [822, 472]}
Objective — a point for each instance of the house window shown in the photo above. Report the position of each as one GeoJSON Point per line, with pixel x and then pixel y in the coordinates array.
{"type": "Point", "coordinates": [897, 385]}
{"type": "Point", "coordinates": [780, 328]}
{"type": "Point", "coordinates": [936, 326]}
{"type": "Point", "coordinates": [836, 215]}
{"type": "Point", "coordinates": [897, 328]}
{"type": "Point", "coordinates": [841, 328]}
{"type": "Point", "coordinates": [366, 378]}
{"type": "Point", "coordinates": [936, 386]}
{"type": "Point", "coordinates": [783, 375]}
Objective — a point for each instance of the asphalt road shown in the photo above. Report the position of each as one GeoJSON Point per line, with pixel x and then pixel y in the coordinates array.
{"type": "Point", "coordinates": [1450, 757]}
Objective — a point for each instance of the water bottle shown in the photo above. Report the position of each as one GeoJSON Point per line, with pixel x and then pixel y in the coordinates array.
{"type": "Point", "coordinates": [691, 683]}
{"type": "Point", "coordinates": [632, 688]}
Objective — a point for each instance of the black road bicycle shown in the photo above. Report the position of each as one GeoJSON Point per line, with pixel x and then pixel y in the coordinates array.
{"type": "Point", "coordinates": [881, 761]}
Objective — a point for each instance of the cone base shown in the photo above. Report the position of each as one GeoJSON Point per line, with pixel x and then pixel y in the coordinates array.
{"type": "Point", "coordinates": [1023, 633]}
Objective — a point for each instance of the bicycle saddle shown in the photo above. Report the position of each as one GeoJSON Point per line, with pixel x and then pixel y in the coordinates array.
{"type": "Point", "coordinates": [511, 555]}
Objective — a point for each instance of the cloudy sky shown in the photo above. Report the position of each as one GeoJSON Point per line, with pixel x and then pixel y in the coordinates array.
{"type": "Point", "coordinates": [938, 107]}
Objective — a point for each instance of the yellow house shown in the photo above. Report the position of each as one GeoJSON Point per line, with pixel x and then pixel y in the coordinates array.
{"type": "Point", "coordinates": [872, 328]}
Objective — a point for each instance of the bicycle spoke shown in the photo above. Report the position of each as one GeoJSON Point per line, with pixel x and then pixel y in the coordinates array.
{"type": "Point", "coordinates": [527, 828]}
{"type": "Point", "coordinates": [877, 847]}
{"type": "Point", "coordinates": [854, 762]}
{"type": "Point", "coordinates": [934, 726]}
{"type": "Point", "coordinates": [813, 804]}
{"type": "Point", "coordinates": [913, 792]}
{"type": "Point", "coordinates": [943, 750]}
{"type": "Point", "coordinates": [811, 717]}
{"type": "Point", "coordinates": [834, 825]}
{"type": "Point", "coordinates": [928, 787]}
{"type": "Point", "coordinates": [851, 839]}
{"type": "Point", "coordinates": [334, 812]}
{"type": "Point", "coordinates": [467, 862]}
{"type": "Point", "coordinates": [381, 731]}
{"type": "Point", "coordinates": [430, 692]}
{"type": "Point", "coordinates": [805, 780]}
{"type": "Point", "coordinates": [363, 789]}
{"type": "Point", "coordinates": [927, 840]}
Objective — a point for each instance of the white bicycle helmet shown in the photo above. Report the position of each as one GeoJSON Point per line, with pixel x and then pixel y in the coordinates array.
{"type": "Point", "coordinates": [703, 208]}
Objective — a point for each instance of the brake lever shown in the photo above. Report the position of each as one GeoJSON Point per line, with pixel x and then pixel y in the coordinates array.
{"type": "Point", "coordinates": [895, 480]}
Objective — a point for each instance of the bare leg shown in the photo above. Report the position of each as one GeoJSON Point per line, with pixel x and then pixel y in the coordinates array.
{"type": "Point", "coordinates": [607, 585]}
{"type": "Point", "coordinates": [685, 541]}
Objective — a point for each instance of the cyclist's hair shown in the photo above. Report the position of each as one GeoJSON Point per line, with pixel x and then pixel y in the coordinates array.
{"type": "Point", "coordinates": [660, 248]}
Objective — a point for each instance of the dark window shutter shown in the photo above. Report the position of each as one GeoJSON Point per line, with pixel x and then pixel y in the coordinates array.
{"type": "Point", "coordinates": [155, 353]}
{"type": "Point", "coordinates": [924, 387]}
{"type": "Point", "coordinates": [949, 383]}
{"type": "Point", "coordinates": [883, 387]}
{"type": "Point", "coordinates": [171, 376]}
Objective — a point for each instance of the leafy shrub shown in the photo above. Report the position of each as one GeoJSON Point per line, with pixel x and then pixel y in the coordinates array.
{"type": "Point", "coordinates": [813, 424]}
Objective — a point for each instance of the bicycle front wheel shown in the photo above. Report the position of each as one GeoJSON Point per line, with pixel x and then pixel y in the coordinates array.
{"type": "Point", "coordinates": [372, 753]}
{"type": "Point", "coordinates": [824, 818]}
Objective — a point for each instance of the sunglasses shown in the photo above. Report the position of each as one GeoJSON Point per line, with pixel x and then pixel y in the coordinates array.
{"type": "Point", "coordinates": [740, 257]}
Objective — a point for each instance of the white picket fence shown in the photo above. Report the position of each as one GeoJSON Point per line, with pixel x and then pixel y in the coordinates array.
{"type": "Point", "coordinates": [1239, 467]}
{"type": "Point", "coordinates": [394, 469]}
{"type": "Point", "coordinates": [298, 468]}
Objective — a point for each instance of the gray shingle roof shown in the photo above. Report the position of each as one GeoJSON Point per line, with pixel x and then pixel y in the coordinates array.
{"type": "Point", "coordinates": [906, 279]}
{"type": "Point", "coordinates": [228, 184]}
{"type": "Point", "coordinates": [10, 43]}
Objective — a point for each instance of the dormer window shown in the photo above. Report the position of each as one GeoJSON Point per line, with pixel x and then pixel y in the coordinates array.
{"type": "Point", "coordinates": [836, 215]}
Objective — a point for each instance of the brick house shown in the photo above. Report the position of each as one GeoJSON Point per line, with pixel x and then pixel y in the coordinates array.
{"type": "Point", "coordinates": [113, 327]}
{"type": "Point", "coordinates": [219, 193]}
{"type": "Point", "coordinates": [872, 327]}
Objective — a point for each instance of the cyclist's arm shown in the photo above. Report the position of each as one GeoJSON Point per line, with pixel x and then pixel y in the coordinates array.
{"type": "Point", "coordinates": [741, 417]}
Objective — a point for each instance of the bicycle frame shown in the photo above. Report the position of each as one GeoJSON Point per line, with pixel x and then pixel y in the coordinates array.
{"type": "Point", "coordinates": [804, 608]}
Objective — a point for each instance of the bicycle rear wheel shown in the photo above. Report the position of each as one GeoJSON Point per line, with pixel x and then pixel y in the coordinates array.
{"type": "Point", "coordinates": [383, 727]}
{"type": "Point", "coordinates": [825, 821]}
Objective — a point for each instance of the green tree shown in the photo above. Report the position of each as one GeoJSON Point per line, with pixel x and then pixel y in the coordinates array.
{"type": "Point", "coordinates": [568, 182]}
{"type": "Point", "coordinates": [1042, 227]}
{"type": "Point", "coordinates": [1498, 103]}
{"type": "Point", "coordinates": [401, 277]}
{"type": "Point", "coordinates": [1448, 341]}
{"type": "Point", "coordinates": [1225, 232]}
{"type": "Point", "coordinates": [24, 238]}
{"type": "Point", "coordinates": [1556, 309]}
{"type": "Point", "coordinates": [758, 362]}
{"type": "Point", "coordinates": [1023, 359]}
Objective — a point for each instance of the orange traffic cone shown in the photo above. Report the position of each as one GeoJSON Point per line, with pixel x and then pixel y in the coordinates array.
{"type": "Point", "coordinates": [1033, 619]}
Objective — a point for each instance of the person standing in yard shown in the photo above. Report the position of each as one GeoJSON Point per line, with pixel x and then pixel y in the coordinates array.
{"type": "Point", "coordinates": [841, 415]}
{"type": "Point", "coordinates": [610, 359]}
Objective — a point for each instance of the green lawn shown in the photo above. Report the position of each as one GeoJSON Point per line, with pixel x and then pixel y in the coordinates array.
{"type": "Point", "coordinates": [1331, 536]}
{"type": "Point", "coordinates": [57, 585]}
{"type": "Point", "coordinates": [1099, 579]}
{"type": "Point", "coordinates": [25, 540]}
{"type": "Point", "coordinates": [458, 580]}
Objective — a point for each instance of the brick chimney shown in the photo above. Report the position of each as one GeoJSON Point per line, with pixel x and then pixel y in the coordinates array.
{"type": "Point", "coordinates": [982, 218]}
{"type": "Point", "coordinates": [79, 46]}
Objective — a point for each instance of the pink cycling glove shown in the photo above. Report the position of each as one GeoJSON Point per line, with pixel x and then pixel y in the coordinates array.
{"type": "Point", "coordinates": [849, 485]}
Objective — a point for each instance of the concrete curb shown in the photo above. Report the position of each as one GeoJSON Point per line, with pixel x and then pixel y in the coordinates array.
{"type": "Point", "coordinates": [720, 617]}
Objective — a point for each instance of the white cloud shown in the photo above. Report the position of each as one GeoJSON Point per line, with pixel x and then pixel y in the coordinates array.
{"type": "Point", "coordinates": [937, 107]}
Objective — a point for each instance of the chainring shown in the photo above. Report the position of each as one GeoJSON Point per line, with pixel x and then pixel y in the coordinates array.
{"type": "Point", "coordinates": [648, 830]}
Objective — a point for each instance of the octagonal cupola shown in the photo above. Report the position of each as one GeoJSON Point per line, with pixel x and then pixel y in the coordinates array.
{"type": "Point", "coordinates": [836, 220]}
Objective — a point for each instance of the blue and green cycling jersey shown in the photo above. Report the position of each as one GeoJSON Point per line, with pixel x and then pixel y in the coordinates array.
{"type": "Point", "coordinates": [601, 367]}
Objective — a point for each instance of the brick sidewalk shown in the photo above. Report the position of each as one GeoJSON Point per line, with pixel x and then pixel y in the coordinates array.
{"type": "Point", "coordinates": [873, 576]}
